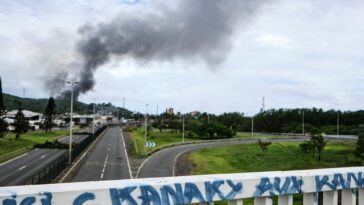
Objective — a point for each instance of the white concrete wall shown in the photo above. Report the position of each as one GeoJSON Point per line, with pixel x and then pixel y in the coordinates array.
{"type": "Point", "coordinates": [197, 189]}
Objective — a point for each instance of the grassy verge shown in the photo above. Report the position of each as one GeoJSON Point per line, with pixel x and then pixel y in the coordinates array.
{"type": "Point", "coordinates": [11, 147]}
{"type": "Point", "coordinates": [160, 138]}
{"type": "Point", "coordinates": [280, 156]}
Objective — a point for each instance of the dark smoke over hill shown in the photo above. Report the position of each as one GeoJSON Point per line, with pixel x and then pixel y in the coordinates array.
{"type": "Point", "coordinates": [195, 30]}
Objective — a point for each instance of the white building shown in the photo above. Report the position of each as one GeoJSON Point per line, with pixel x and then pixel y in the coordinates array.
{"type": "Point", "coordinates": [35, 119]}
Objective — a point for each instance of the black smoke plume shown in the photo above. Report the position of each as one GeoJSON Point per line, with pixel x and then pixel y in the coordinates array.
{"type": "Point", "coordinates": [194, 30]}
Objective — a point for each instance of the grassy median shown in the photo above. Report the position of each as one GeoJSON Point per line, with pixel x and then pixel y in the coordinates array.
{"type": "Point", "coordinates": [167, 137]}
{"type": "Point", "coordinates": [11, 147]}
{"type": "Point", "coordinates": [279, 157]}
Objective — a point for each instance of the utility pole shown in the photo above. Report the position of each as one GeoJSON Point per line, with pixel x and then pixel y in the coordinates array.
{"type": "Point", "coordinates": [338, 124]}
{"type": "Point", "coordinates": [183, 128]}
{"type": "Point", "coordinates": [72, 83]}
{"type": "Point", "coordinates": [303, 121]}
{"type": "Point", "coordinates": [123, 113]}
{"type": "Point", "coordinates": [93, 121]}
{"type": "Point", "coordinates": [146, 122]}
{"type": "Point", "coordinates": [156, 117]}
{"type": "Point", "coordinates": [252, 134]}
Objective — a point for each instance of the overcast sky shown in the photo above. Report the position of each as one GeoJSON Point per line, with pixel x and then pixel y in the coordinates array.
{"type": "Point", "coordinates": [296, 53]}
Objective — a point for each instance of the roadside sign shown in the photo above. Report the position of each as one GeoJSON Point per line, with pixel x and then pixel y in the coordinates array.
{"type": "Point", "coordinates": [150, 144]}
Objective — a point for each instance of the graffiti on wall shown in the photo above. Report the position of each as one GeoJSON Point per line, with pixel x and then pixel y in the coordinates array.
{"type": "Point", "coordinates": [190, 192]}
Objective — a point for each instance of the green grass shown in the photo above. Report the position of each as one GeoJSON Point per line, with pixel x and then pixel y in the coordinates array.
{"type": "Point", "coordinates": [167, 137]}
{"type": "Point", "coordinates": [279, 157]}
{"type": "Point", "coordinates": [11, 147]}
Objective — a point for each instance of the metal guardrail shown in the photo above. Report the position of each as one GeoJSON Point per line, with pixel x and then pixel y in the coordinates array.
{"type": "Point", "coordinates": [326, 186]}
{"type": "Point", "coordinates": [48, 174]}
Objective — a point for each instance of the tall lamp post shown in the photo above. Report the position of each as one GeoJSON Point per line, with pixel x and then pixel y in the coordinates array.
{"type": "Point", "coordinates": [183, 128]}
{"type": "Point", "coordinates": [303, 121]}
{"type": "Point", "coordinates": [72, 83]}
{"type": "Point", "coordinates": [338, 124]}
{"type": "Point", "coordinates": [252, 129]}
{"type": "Point", "coordinates": [93, 121]}
{"type": "Point", "coordinates": [146, 122]}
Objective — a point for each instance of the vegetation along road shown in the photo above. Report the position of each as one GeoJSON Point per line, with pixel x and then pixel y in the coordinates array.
{"type": "Point", "coordinates": [162, 163]}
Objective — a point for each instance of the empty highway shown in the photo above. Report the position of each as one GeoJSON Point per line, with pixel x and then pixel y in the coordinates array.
{"type": "Point", "coordinates": [107, 160]}
{"type": "Point", "coordinates": [23, 168]}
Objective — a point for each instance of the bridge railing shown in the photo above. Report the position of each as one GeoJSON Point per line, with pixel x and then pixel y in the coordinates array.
{"type": "Point", "coordinates": [331, 185]}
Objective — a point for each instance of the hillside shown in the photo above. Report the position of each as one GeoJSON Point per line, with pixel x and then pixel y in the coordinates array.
{"type": "Point", "coordinates": [38, 105]}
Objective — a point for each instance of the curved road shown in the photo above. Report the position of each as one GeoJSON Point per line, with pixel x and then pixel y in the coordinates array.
{"type": "Point", "coordinates": [162, 163]}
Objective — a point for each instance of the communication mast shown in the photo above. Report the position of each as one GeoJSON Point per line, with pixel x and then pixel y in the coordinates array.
{"type": "Point", "coordinates": [263, 105]}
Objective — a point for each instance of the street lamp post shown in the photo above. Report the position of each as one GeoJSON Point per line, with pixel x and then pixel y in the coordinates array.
{"type": "Point", "coordinates": [72, 83]}
{"type": "Point", "coordinates": [183, 128]}
{"type": "Point", "coordinates": [252, 134]}
{"type": "Point", "coordinates": [338, 124]}
{"type": "Point", "coordinates": [93, 122]}
{"type": "Point", "coordinates": [303, 122]}
{"type": "Point", "coordinates": [146, 122]}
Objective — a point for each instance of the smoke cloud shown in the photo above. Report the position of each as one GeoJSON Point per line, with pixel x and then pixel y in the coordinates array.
{"type": "Point", "coordinates": [194, 30]}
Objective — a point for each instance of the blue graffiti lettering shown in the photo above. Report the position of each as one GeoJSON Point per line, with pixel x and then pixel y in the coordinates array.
{"type": "Point", "coordinates": [83, 198]}
{"type": "Point", "coordinates": [235, 189]}
{"type": "Point", "coordinates": [263, 186]}
{"type": "Point", "coordinates": [290, 185]}
{"type": "Point", "coordinates": [10, 201]}
{"type": "Point", "coordinates": [284, 188]}
{"type": "Point", "coordinates": [358, 180]}
{"type": "Point", "coordinates": [192, 191]}
{"type": "Point", "coordinates": [148, 195]}
{"type": "Point", "coordinates": [122, 194]}
{"type": "Point", "coordinates": [321, 182]}
{"type": "Point", "coordinates": [47, 200]}
{"type": "Point", "coordinates": [28, 201]}
{"type": "Point", "coordinates": [213, 188]}
{"type": "Point", "coordinates": [177, 195]}
{"type": "Point", "coordinates": [296, 185]}
{"type": "Point", "coordinates": [337, 181]}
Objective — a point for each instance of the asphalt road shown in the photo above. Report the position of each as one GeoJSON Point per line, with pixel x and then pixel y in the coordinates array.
{"type": "Point", "coordinates": [162, 163]}
{"type": "Point", "coordinates": [107, 160]}
{"type": "Point", "coordinates": [76, 138]}
{"type": "Point", "coordinates": [23, 168]}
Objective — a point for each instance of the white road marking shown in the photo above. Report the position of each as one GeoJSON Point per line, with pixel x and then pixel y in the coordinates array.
{"type": "Point", "coordinates": [42, 156]}
{"type": "Point", "coordinates": [126, 154]}
{"type": "Point", "coordinates": [21, 168]}
{"type": "Point", "coordinates": [14, 159]}
{"type": "Point", "coordinates": [103, 170]}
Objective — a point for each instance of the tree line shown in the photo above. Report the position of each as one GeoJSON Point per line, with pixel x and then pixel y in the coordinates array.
{"type": "Point", "coordinates": [271, 121]}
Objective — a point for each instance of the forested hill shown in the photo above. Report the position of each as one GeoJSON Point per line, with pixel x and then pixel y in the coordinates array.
{"type": "Point", "coordinates": [38, 105]}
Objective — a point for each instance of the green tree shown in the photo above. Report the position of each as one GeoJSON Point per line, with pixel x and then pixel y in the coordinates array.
{"type": "Point", "coordinates": [49, 115]}
{"type": "Point", "coordinates": [3, 123]}
{"type": "Point", "coordinates": [359, 150]}
{"type": "Point", "coordinates": [319, 143]}
{"type": "Point", "coordinates": [264, 145]}
{"type": "Point", "coordinates": [21, 124]}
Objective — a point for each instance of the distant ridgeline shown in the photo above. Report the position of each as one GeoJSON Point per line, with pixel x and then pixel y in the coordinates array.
{"type": "Point", "coordinates": [62, 105]}
{"type": "Point", "coordinates": [38, 105]}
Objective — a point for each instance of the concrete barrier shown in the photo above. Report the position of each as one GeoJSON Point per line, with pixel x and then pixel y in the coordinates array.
{"type": "Point", "coordinates": [261, 186]}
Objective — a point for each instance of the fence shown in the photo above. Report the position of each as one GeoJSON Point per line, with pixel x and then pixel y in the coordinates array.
{"type": "Point", "coordinates": [55, 168]}
{"type": "Point", "coordinates": [262, 187]}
